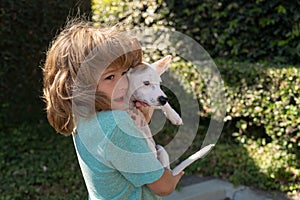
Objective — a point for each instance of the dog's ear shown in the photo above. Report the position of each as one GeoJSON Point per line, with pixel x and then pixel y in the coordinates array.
{"type": "Point", "coordinates": [162, 64]}
{"type": "Point", "coordinates": [138, 69]}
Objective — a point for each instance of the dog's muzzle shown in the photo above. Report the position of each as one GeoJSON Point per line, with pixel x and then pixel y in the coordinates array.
{"type": "Point", "coordinates": [162, 100]}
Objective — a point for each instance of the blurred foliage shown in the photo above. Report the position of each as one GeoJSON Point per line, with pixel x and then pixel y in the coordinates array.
{"type": "Point", "coordinates": [36, 163]}
{"type": "Point", "coordinates": [27, 27]}
{"type": "Point", "coordinates": [265, 167]}
{"type": "Point", "coordinates": [130, 13]}
{"type": "Point", "coordinates": [251, 30]}
{"type": "Point", "coordinates": [262, 101]}
{"type": "Point", "coordinates": [262, 104]}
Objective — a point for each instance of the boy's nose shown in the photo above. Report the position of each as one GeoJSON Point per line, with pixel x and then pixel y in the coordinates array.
{"type": "Point", "coordinates": [162, 100]}
{"type": "Point", "coordinates": [123, 83]}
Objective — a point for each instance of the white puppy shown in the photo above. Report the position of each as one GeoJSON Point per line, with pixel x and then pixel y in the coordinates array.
{"type": "Point", "coordinates": [144, 86]}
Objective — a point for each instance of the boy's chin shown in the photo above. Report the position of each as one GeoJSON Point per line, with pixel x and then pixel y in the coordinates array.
{"type": "Point", "coordinates": [118, 106]}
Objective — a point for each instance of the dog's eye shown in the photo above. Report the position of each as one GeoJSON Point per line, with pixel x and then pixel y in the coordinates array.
{"type": "Point", "coordinates": [146, 83]}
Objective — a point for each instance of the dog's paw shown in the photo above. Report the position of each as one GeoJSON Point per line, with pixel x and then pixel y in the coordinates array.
{"type": "Point", "coordinates": [176, 120]}
{"type": "Point", "coordinates": [162, 156]}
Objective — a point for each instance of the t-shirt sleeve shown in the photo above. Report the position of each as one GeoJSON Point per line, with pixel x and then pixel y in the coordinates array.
{"type": "Point", "coordinates": [128, 152]}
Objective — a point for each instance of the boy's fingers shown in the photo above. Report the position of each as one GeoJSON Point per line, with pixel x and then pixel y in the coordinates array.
{"type": "Point", "coordinates": [178, 176]}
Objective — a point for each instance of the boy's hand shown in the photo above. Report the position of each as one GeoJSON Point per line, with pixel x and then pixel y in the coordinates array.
{"type": "Point", "coordinates": [166, 184]}
{"type": "Point", "coordinates": [145, 109]}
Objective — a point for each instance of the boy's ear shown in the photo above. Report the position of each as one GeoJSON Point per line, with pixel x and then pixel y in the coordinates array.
{"type": "Point", "coordinates": [162, 64]}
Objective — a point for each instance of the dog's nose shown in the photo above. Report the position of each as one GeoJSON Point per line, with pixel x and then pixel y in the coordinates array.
{"type": "Point", "coordinates": [162, 100]}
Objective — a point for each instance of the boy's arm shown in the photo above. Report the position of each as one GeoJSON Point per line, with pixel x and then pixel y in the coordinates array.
{"type": "Point", "coordinates": [166, 184]}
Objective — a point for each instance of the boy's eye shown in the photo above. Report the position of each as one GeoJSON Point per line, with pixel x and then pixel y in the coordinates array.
{"type": "Point", "coordinates": [111, 77]}
{"type": "Point", "coordinates": [124, 72]}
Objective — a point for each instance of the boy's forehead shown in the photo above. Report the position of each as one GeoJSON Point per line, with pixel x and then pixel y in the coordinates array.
{"type": "Point", "coordinates": [114, 68]}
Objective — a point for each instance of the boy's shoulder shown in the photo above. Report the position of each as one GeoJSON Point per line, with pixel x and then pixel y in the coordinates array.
{"type": "Point", "coordinates": [113, 118]}
{"type": "Point", "coordinates": [116, 119]}
{"type": "Point", "coordinates": [105, 122]}
{"type": "Point", "coordinates": [113, 115]}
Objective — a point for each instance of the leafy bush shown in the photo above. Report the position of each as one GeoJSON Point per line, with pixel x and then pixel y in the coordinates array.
{"type": "Point", "coordinates": [130, 12]}
{"type": "Point", "coordinates": [36, 163]}
{"type": "Point", "coordinates": [262, 101]}
{"type": "Point", "coordinates": [279, 165]}
{"type": "Point", "coordinates": [264, 167]}
{"type": "Point", "coordinates": [259, 98]}
{"type": "Point", "coordinates": [246, 29]}
{"type": "Point", "coordinates": [251, 30]}
{"type": "Point", "coordinates": [27, 27]}
{"type": "Point", "coordinates": [262, 113]}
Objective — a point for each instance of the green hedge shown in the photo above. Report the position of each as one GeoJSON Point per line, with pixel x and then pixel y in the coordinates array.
{"type": "Point", "coordinates": [130, 12]}
{"type": "Point", "coordinates": [262, 120]}
{"type": "Point", "coordinates": [251, 30]}
{"type": "Point", "coordinates": [262, 102]}
{"type": "Point", "coordinates": [36, 163]}
{"type": "Point", "coordinates": [266, 168]}
{"type": "Point", "coordinates": [269, 99]}
{"type": "Point", "coordinates": [26, 29]}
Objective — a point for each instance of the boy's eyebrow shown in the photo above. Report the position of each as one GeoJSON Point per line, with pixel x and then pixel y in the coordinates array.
{"type": "Point", "coordinates": [112, 69]}
{"type": "Point", "coordinates": [109, 71]}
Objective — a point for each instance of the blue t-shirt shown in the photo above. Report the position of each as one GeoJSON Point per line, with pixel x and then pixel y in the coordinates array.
{"type": "Point", "coordinates": [114, 157]}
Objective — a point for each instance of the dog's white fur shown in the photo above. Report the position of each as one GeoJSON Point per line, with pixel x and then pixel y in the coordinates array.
{"type": "Point", "coordinates": [144, 86]}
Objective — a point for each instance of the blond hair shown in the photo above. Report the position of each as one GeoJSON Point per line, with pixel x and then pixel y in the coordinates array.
{"type": "Point", "coordinates": [72, 68]}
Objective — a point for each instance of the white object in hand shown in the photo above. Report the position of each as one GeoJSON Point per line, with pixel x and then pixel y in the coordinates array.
{"type": "Point", "coordinates": [199, 154]}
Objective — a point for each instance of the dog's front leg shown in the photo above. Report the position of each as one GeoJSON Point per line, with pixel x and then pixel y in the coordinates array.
{"type": "Point", "coordinates": [171, 114]}
{"type": "Point", "coordinates": [162, 156]}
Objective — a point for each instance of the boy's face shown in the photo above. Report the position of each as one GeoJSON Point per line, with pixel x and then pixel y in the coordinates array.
{"type": "Point", "coordinates": [114, 84]}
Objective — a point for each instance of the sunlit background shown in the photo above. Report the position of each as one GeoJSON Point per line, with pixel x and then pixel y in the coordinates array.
{"type": "Point", "coordinates": [255, 45]}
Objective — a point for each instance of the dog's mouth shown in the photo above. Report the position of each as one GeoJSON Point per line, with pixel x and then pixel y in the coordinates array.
{"type": "Point", "coordinates": [141, 102]}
